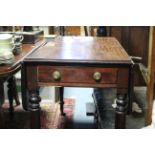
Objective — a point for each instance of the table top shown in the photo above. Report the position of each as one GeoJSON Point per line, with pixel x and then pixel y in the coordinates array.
{"type": "Point", "coordinates": [26, 49]}
{"type": "Point", "coordinates": [81, 49]}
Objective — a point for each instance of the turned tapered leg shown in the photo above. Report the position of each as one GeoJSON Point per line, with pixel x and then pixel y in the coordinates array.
{"type": "Point", "coordinates": [120, 111]}
{"type": "Point", "coordinates": [34, 100]}
{"type": "Point", "coordinates": [61, 92]}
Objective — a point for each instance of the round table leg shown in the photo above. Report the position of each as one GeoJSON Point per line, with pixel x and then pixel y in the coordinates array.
{"type": "Point", "coordinates": [120, 112]}
{"type": "Point", "coordinates": [35, 110]}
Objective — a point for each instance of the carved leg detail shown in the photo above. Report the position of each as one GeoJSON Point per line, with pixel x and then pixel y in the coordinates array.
{"type": "Point", "coordinates": [35, 110]}
{"type": "Point", "coordinates": [61, 90]}
{"type": "Point", "coordinates": [120, 112]}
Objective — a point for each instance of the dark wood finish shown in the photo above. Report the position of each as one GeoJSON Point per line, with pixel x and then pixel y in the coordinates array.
{"type": "Point", "coordinates": [12, 94]}
{"type": "Point", "coordinates": [135, 40]}
{"type": "Point", "coordinates": [7, 73]}
{"type": "Point", "coordinates": [35, 110]}
{"type": "Point", "coordinates": [81, 75]}
{"type": "Point", "coordinates": [120, 111]}
{"type": "Point", "coordinates": [61, 89]}
{"type": "Point", "coordinates": [123, 82]}
{"type": "Point", "coordinates": [131, 88]}
{"type": "Point", "coordinates": [24, 86]}
{"type": "Point", "coordinates": [34, 98]}
{"type": "Point", "coordinates": [61, 92]}
{"type": "Point", "coordinates": [82, 50]}
{"type": "Point", "coordinates": [51, 29]}
{"type": "Point", "coordinates": [26, 49]}
{"type": "Point", "coordinates": [77, 58]}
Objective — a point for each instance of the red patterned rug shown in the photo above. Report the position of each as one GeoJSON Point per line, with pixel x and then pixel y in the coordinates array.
{"type": "Point", "coordinates": [50, 116]}
{"type": "Point", "coordinates": [52, 119]}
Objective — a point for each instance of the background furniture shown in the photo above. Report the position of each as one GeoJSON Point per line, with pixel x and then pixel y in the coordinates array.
{"type": "Point", "coordinates": [7, 73]}
{"type": "Point", "coordinates": [135, 40]}
{"type": "Point", "coordinates": [139, 41]}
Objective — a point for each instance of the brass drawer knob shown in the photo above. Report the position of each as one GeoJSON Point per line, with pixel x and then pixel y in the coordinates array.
{"type": "Point", "coordinates": [97, 76]}
{"type": "Point", "coordinates": [56, 75]}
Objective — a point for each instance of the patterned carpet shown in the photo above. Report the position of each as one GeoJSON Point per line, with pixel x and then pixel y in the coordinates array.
{"type": "Point", "coordinates": [50, 116]}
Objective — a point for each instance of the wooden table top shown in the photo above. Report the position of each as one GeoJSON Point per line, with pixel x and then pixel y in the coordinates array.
{"type": "Point", "coordinates": [26, 49]}
{"type": "Point", "coordinates": [82, 50]}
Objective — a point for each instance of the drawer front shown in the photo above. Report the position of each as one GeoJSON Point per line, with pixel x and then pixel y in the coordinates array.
{"type": "Point", "coordinates": [88, 75]}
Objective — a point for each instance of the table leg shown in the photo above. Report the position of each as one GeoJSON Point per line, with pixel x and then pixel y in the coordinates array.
{"type": "Point", "coordinates": [15, 94]}
{"type": "Point", "coordinates": [1, 102]}
{"type": "Point", "coordinates": [1, 92]}
{"type": "Point", "coordinates": [61, 91]}
{"type": "Point", "coordinates": [131, 90]}
{"type": "Point", "coordinates": [34, 100]}
{"type": "Point", "coordinates": [11, 95]}
{"type": "Point", "coordinates": [120, 112]}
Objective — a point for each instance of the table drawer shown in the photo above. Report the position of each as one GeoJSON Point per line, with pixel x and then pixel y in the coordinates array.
{"type": "Point", "coordinates": [77, 74]}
